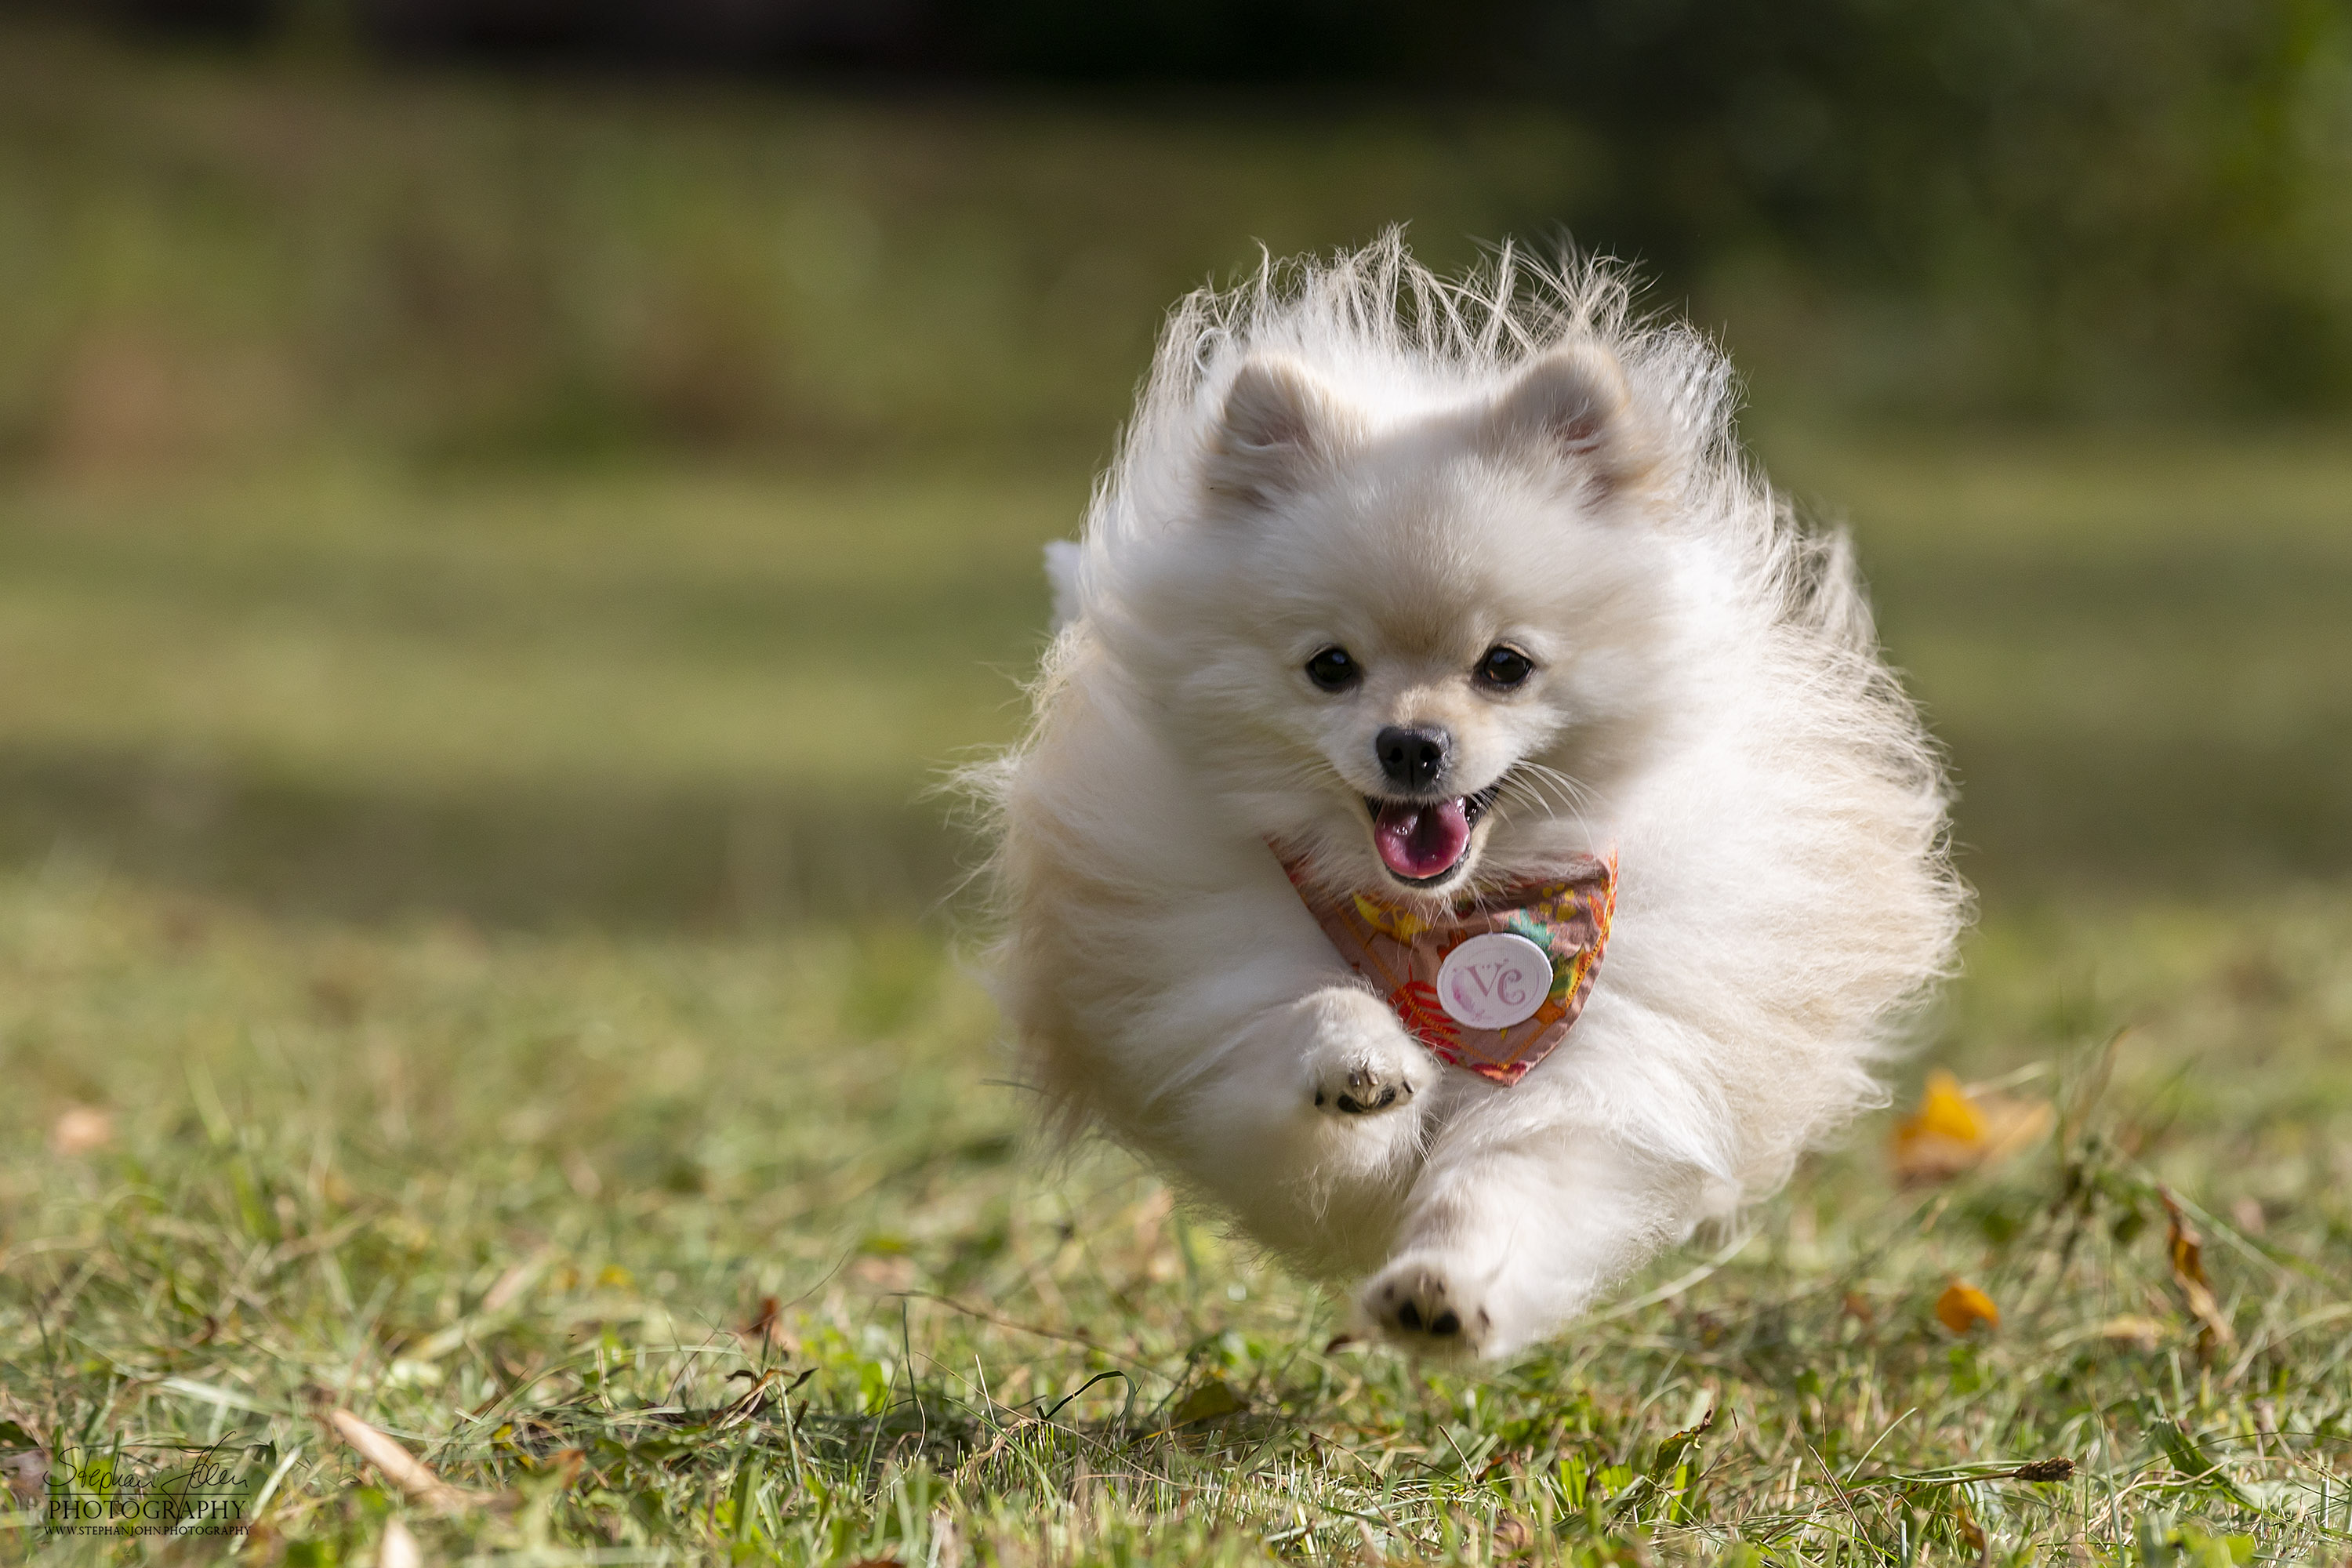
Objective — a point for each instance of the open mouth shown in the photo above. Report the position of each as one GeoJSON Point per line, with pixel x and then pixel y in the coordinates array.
{"type": "Point", "coordinates": [1423, 841]}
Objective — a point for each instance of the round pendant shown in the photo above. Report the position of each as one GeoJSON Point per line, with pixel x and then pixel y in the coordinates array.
{"type": "Point", "coordinates": [1494, 981]}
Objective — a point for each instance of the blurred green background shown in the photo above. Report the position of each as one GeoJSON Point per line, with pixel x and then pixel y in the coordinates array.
{"type": "Point", "coordinates": [509, 509]}
{"type": "Point", "coordinates": [539, 466]}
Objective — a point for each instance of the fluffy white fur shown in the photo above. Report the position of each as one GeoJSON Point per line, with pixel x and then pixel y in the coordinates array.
{"type": "Point", "coordinates": [1358, 453]}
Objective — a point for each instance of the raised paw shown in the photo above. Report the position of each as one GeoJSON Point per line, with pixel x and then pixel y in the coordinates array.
{"type": "Point", "coordinates": [1415, 1305]}
{"type": "Point", "coordinates": [1362, 1085]}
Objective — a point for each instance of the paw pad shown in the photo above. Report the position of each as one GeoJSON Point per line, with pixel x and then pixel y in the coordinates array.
{"type": "Point", "coordinates": [1365, 1091]}
{"type": "Point", "coordinates": [1415, 1307]}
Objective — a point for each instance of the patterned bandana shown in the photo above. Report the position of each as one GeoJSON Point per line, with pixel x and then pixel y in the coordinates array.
{"type": "Point", "coordinates": [1492, 987]}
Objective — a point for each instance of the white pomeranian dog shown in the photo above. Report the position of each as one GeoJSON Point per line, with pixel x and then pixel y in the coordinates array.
{"type": "Point", "coordinates": [1467, 834]}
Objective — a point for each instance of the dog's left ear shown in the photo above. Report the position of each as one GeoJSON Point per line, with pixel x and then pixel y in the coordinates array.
{"type": "Point", "coordinates": [1277, 424]}
{"type": "Point", "coordinates": [1574, 403]}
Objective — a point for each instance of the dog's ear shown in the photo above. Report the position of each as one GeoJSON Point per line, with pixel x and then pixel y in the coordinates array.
{"type": "Point", "coordinates": [1574, 403]}
{"type": "Point", "coordinates": [1278, 423]}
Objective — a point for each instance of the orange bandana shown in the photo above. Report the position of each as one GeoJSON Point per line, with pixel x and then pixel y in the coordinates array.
{"type": "Point", "coordinates": [1494, 986]}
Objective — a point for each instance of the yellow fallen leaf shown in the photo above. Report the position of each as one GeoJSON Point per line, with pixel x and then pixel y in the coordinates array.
{"type": "Point", "coordinates": [1954, 1130]}
{"type": "Point", "coordinates": [1946, 1110]}
{"type": "Point", "coordinates": [1963, 1307]}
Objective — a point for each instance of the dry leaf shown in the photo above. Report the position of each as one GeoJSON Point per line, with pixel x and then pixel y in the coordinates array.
{"type": "Point", "coordinates": [2141, 1333]}
{"type": "Point", "coordinates": [401, 1468]}
{"type": "Point", "coordinates": [1971, 1534]}
{"type": "Point", "coordinates": [1963, 1307]}
{"type": "Point", "coordinates": [2044, 1471]}
{"type": "Point", "coordinates": [2185, 1248]}
{"type": "Point", "coordinates": [1954, 1130]}
{"type": "Point", "coordinates": [78, 1129]}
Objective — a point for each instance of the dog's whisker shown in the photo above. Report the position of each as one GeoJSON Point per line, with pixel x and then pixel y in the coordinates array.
{"type": "Point", "coordinates": [1546, 789]}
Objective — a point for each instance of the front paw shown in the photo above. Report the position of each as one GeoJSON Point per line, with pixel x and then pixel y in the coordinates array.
{"type": "Point", "coordinates": [1363, 1081]}
{"type": "Point", "coordinates": [1419, 1305]}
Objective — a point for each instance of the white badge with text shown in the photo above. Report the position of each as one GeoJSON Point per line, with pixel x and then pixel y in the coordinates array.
{"type": "Point", "coordinates": [1494, 981]}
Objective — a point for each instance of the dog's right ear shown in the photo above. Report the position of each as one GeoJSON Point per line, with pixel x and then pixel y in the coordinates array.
{"type": "Point", "coordinates": [1277, 424]}
{"type": "Point", "coordinates": [1574, 403]}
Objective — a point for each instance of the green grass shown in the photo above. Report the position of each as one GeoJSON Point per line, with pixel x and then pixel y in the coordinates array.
{"type": "Point", "coordinates": [496, 914]}
{"type": "Point", "coordinates": [518, 1201]}
{"type": "Point", "coordinates": [499, 915]}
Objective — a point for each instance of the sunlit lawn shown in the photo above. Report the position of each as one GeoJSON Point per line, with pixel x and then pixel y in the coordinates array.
{"type": "Point", "coordinates": [492, 575]}
{"type": "Point", "coordinates": [522, 1201]}
{"type": "Point", "coordinates": [468, 943]}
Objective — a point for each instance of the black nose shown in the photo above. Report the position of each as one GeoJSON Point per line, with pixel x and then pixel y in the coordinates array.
{"type": "Point", "coordinates": [1412, 758]}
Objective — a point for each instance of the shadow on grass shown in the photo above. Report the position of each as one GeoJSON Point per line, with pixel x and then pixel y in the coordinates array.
{"type": "Point", "coordinates": [593, 856]}
{"type": "Point", "coordinates": [2152, 814]}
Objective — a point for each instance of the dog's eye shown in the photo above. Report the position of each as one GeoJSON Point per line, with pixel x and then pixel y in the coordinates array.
{"type": "Point", "coordinates": [1334, 669]}
{"type": "Point", "coordinates": [1505, 667]}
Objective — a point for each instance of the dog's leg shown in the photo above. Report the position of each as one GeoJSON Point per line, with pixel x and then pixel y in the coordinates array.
{"type": "Point", "coordinates": [1361, 1061]}
{"type": "Point", "coordinates": [1504, 1241]}
{"type": "Point", "coordinates": [1265, 1130]}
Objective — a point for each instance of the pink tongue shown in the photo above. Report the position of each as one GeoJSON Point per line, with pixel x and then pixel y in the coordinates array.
{"type": "Point", "coordinates": [1423, 841]}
